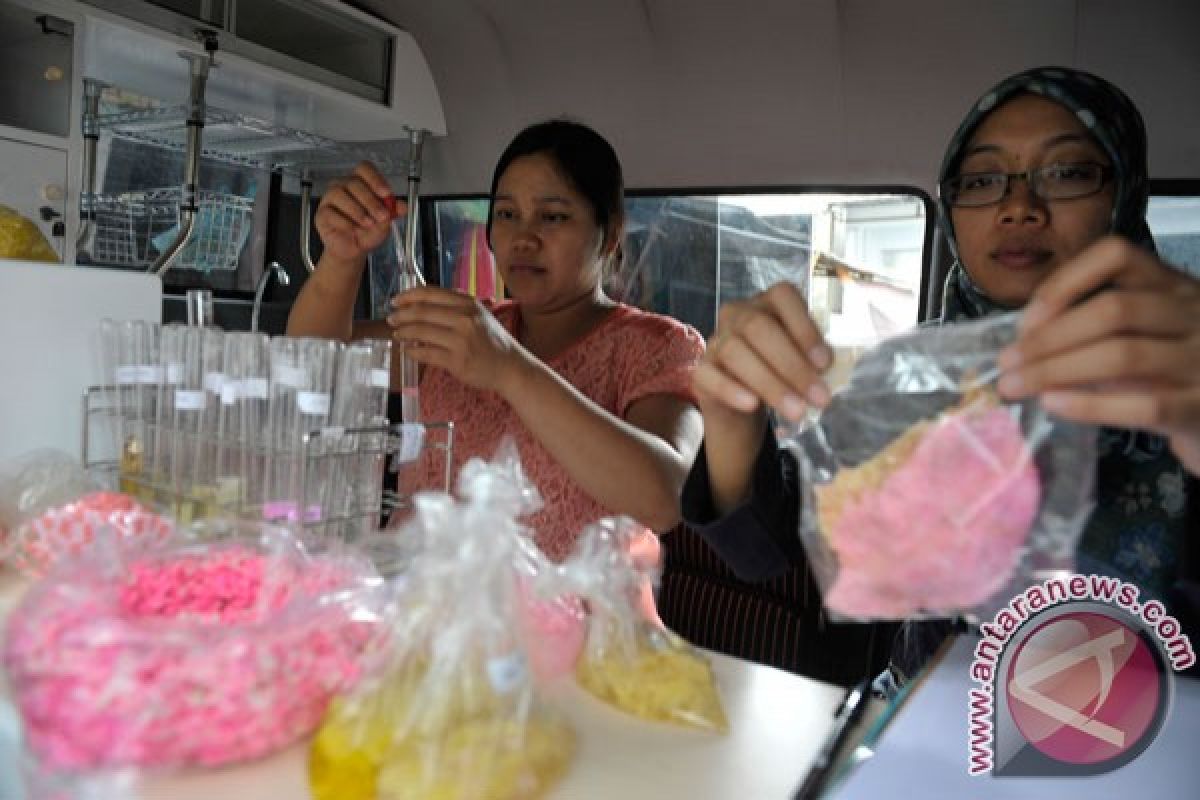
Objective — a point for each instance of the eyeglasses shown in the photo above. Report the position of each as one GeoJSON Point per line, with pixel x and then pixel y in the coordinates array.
{"type": "Point", "coordinates": [1051, 182]}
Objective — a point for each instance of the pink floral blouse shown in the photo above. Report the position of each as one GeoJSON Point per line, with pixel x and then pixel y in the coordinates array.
{"type": "Point", "coordinates": [632, 354]}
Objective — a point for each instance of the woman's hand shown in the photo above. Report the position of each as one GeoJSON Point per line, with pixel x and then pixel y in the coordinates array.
{"type": "Point", "coordinates": [453, 331]}
{"type": "Point", "coordinates": [767, 351]}
{"type": "Point", "coordinates": [1113, 338]}
{"type": "Point", "coordinates": [354, 217]}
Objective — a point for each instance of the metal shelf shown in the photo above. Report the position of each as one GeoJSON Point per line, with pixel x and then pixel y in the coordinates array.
{"type": "Point", "coordinates": [245, 141]}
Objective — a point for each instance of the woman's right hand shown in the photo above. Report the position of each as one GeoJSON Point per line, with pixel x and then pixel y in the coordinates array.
{"type": "Point", "coordinates": [353, 217]}
{"type": "Point", "coordinates": [767, 351]}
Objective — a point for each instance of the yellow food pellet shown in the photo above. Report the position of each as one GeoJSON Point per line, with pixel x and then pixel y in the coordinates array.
{"type": "Point", "coordinates": [448, 745]}
{"type": "Point", "coordinates": [668, 684]}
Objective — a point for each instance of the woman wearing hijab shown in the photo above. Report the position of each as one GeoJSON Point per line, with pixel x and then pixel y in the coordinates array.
{"type": "Point", "coordinates": [1043, 195]}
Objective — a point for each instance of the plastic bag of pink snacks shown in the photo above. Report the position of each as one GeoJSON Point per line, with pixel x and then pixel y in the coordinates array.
{"type": "Point", "coordinates": [924, 494]}
{"type": "Point", "coordinates": [68, 530]}
{"type": "Point", "coordinates": [223, 644]}
{"type": "Point", "coordinates": [34, 482]}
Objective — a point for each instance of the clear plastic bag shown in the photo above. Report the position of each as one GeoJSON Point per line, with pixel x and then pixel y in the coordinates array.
{"type": "Point", "coordinates": [34, 482]}
{"type": "Point", "coordinates": [223, 644]}
{"type": "Point", "coordinates": [69, 530]}
{"type": "Point", "coordinates": [455, 714]}
{"type": "Point", "coordinates": [925, 494]}
{"type": "Point", "coordinates": [628, 660]}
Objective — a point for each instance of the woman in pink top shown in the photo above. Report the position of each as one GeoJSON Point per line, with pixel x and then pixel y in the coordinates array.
{"type": "Point", "coordinates": [594, 392]}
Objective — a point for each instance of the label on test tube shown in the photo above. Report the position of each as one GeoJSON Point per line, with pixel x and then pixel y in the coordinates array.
{"type": "Point", "coordinates": [174, 373]}
{"type": "Point", "coordinates": [313, 402]}
{"type": "Point", "coordinates": [412, 438]}
{"type": "Point", "coordinates": [189, 400]}
{"type": "Point", "coordinates": [381, 378]}
{"type": "Point", "coordinates": [138, 373]}
{"type": "Point", "coordinates": [295, 377]}
{"type": "Point", "coordinates": [253, 387]}
{"type": "Point", "coordinates": [229, 393]}
{"type": "Point", "coordinates": [214, 382]}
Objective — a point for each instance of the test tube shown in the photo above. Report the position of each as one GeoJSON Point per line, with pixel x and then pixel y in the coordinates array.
{"type": "Point", "coordinates": [213, 379]}
{"type": "Point", "coordinates": [242, 421]}
{"type": "Point", "coordinates": [408, 276]}
{"type": "Point", "coordinates": [360, 401]}
{"type": "Point", "coordinates": [302, 372]}
{"type": "Point", "coordinates": [189, 405]}
{"type": "Point", "coordinates": [110, 360]}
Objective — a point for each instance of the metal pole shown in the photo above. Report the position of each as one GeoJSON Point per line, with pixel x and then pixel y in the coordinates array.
{"type": "Point", "coordinates": [415, 139]}
{"type": "Point", "coordinates": [306, 187]}
{"type": "Point", "coordinates": [195, 135]}
{"type": "Point", "coordinates": [92, 90]}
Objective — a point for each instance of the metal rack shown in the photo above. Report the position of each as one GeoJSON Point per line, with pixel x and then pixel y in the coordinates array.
{"type": "Point", "coordinates": [197, 130]}
{"type": "Point", "coordinates": [242, 140]}
{"type": "Point", "coordinates": [127, 226]}
{"type": "Point", "coordinates": [322, 504]}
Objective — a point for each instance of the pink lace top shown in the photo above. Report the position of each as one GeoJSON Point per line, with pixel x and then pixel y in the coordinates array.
{"type": "Point", "coordinates": [630, 355]}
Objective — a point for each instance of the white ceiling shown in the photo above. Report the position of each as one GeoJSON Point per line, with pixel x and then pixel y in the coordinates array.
{"type": "Point", "coordinates": [762, 92]}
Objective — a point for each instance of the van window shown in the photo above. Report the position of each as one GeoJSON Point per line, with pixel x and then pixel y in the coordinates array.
{"type": "Point", "coordinates": [858, 255]}
{"type": "Point", "coordinates": [1175, 224]}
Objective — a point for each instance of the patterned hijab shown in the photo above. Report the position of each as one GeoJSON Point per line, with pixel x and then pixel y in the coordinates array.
{"type": "Point", "coordinates": [1110, 117]}
{"type": "Point", "coordinates": [1137, 530]}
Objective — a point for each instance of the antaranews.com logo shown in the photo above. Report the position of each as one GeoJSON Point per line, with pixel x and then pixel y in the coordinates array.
{"type": "Point", "coordinates": [1074, 678]}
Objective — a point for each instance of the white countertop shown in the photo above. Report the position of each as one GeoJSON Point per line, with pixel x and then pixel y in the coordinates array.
{"type": "Point", "coordinates": [777, 720]}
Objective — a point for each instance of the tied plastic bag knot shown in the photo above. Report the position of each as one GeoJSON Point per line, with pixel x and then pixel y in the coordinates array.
{"type": "Point", "coordinates": [628, 660]}
{"type": "Point", "coordinates": [455, 714]}
{"type": "Point", "coordinates": [923, 493]}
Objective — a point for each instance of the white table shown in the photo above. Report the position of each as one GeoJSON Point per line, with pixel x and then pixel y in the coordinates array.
{"type": "Point", "coordinates": [778, 721]}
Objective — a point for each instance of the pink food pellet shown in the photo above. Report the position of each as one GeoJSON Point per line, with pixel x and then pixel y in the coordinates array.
{"type": "Point", "coordinates": [944, 530]}
{"type": "Point", "coordinates": [201, 658]}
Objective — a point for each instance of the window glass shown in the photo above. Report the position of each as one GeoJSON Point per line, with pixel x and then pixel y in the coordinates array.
{"type": "Point", "coordinates": [857, 257]}
{"type": "Point", "coordinates": [1175, 225]}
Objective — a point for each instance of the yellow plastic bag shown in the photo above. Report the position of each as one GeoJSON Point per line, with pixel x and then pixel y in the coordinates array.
{"type": "Point", "coordinates": [21, 239]}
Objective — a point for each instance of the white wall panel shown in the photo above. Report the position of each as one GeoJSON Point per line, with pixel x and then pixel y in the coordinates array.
{"type": "Point", "coordinates": [1151, 49]}
{"type": "Point", "coordinates": [913, 68]}
{"type": "Point", "coordinates": [718, 92]}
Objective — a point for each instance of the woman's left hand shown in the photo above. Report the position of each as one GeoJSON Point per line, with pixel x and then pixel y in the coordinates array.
{"type": "Point", "coordinates": [1113, 338]}
{"type": "Point", "coordinates": [453, 331]}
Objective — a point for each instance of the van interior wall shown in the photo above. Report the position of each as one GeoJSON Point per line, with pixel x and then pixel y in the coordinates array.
{"type": "Point", "coordinates": [771, 92]}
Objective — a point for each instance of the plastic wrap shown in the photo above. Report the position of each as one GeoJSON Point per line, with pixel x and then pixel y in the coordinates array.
{"type": "Point", "coordinates": [33, 483]}
{"type": "Point", "coordinates": [628, 660]}
{"type": "Point", "coordinates": [924, 493]}
{"type": "Point", "coordinates": [203, 652]}
{"type": "Point", "coordinates": [69, 530]}
{"type": "Point", "coordinates": [456, 716]}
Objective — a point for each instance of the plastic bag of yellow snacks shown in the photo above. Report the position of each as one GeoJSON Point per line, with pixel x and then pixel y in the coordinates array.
{"type": "Point", "coordinates": [455, 716]}
{"type": "Point", "coordinates": [628, 660]}
{"type": "Point", "coordinates": [20, 238]}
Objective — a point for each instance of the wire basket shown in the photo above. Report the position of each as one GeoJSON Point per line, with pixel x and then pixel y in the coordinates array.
{"type": "Point", "coordinates": [134, 227]}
